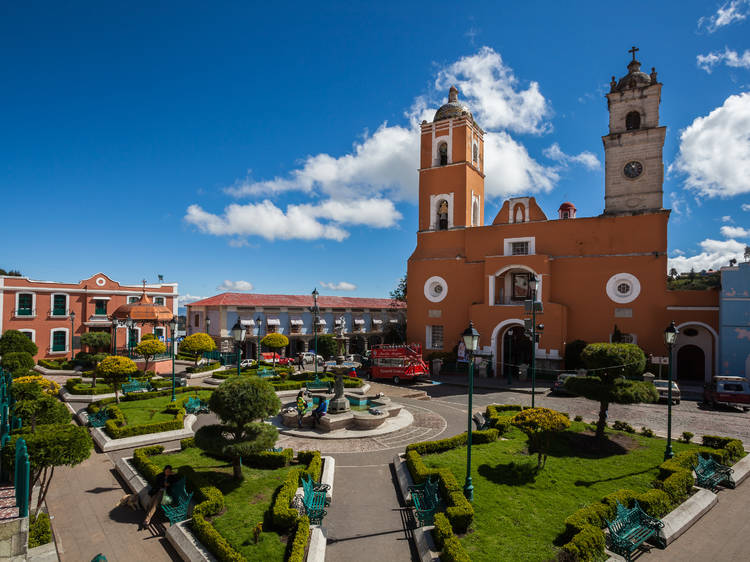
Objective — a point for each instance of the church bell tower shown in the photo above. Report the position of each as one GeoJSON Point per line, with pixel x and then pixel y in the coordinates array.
{"type": "Point", "coordinates": [451, 169]}
{"type": "Point", "coordinates": [634, 170]}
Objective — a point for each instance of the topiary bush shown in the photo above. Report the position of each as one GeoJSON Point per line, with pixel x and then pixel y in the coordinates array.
{"type": "Point", "coordinates": [40, 531]}
{"type": "Point", "coordinates": [540, 425]}
{"type": "Point", "coordinates": [623, 426]}
{"type": "Point", "coordinates": [19, 363]}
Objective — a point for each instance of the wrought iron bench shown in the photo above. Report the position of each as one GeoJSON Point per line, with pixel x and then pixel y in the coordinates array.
{"type": "Point", "coordinates": [195, 405]}
{"type": "Point", "coordinates": [314, 500]}
{"type": "Point", "coordinates": [135, 386]}
{"type": "Point", "coordinates": [178, 510]}
{"type": "Point", "coordinates": [319, 384]}
{"type": "Point", "coordinates": [99, 418]}
{"type": "Point", "coordinates": [710, 474]}
{"type": "Point", "coordinates": [631, 528]}
{"type": "Point", "coordinates": [481, 422]}
{"type": "Point", "coordinates": [426, 499]}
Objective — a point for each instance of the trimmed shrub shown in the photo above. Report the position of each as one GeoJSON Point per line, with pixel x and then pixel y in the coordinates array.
{"type": "Point", "coordinates": [732, 446]}
{"type": "Point", "coordinates": [453, 551]}
{"type": "Point", "coordinates": [623, 426]}
{"type": "Point", "coordinates": [282, 515]}
{"type": "Point", "coordinates": [678, 486]}
{"type": "Point", "coordinates": [187, 443]}
{"type": "Point", "coordinates": [204, 368]}
{"type": "Point", "coordinates": [625, 497]}
{"type": "Point", "coordinates": [655, 502]}
{"type": "Point", "coordinates": [427, 447]}
{"type": "Point", "coordinates": [459, 511]}
{"type": "Point", "coordinates": [442, 530]}
{"type": "Point", "coordinates": [590, 516]}
{"type": "Point", "coordinates": [587, 544]}
{"type": "Point", "coordinates": [578, 418]}
{"type": "Point", "coordinates": [646, 432]}
{"type": "Point", "coordinates": [17, 362]}
{"type": "Point", "coordinates": [116, 426]}
{"type": "Point", "coordinates": [301, 538]}
{"type": "Point", "coordinates": [687, 436]}
{"type": "Point", "coordinates": [269, 459]}
{"type": "Point", "coordinates": [484, 436]}
{"type": "Point", "coordinates": [40, 531]}
{"type": "Point", "coordinates": [313, 461]}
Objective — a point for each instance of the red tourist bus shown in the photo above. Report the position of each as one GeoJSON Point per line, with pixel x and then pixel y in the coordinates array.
{"type": "Point", "coordinates": [397, 362]}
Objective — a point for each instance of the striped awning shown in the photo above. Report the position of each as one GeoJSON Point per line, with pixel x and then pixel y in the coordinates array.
{"type": "Point", "coordinates": [247, 322]}
{"type": "Point", "coordinates": [273, 322]}
{"type": "Point", "coordinates": [296, 322]}
{"type": "Point", "coordinates": [359, 321]}
{"type": "Point", "coordinates": [377, 321]}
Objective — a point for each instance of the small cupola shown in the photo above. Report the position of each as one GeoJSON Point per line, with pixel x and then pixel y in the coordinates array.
{"type": "Point", "coordinates": [566, 211]}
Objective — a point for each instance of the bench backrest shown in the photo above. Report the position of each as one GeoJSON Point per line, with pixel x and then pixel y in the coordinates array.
{"type": "Point", "coordinates": [177, 489]}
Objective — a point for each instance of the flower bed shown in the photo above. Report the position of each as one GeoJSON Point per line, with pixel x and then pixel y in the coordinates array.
{"type": "Point", "coordinates": [519, 512]}
{"type": "Point", "coordinates": [225, 513]}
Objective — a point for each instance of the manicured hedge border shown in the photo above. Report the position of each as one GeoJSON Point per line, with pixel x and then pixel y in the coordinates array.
{"type": "Point", "coordinates": [210, 500]}
{"type": "Point", "coordinates": [584, 536]}
{"type": "Point", "coordinates": [459, 513]}
{"type": "Point", "coordinates": [204, 368]}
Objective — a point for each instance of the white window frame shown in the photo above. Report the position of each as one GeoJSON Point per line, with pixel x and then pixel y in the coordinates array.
{"type": "Point", "coordinates": [131, 299]}
{"type": "Point", "coordinates": [428, 336]}
{"type": "Point", "coordinates": [508, 245]}
{"type": "Point", "coordinates": [52, 340]}
{"type": "Point", "coordinates": [29, 331]}
{"type": "Point", "coordinates": [33, 304]}
{"type": "Point", "coordinates": [434, 205]}
{"type": "Point", "coordinates": [163, 332]}
{"type": "Point", "coordinates": [436, 142]}
{"type": "Point", "coordinates": [163, 301]}
{"type": "Point", "coordinates": [106, 300]}
{"type": "Point", "coordinates": [52, 305]}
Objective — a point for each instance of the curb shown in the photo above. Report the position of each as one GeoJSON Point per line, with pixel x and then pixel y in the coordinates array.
{"type": "Point", "coordinates": [686, 514]}
{"type": "Point", "coordinates": [422, 537]}
{"type": "Point", "coordinates": [107, 444]}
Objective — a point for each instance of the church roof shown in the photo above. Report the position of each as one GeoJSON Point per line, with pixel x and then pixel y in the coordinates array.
{"type": "Point", "coordinates": [635, 78]}
{"type": "Point", "coordinates": [453, 108]}
{"type": "Point", "coordinates": [254, 300]}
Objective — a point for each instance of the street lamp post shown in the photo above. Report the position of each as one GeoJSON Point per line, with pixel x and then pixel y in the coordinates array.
{"type": "Point", "coordinates": [315, 312]}
{"type": "Point", "coordinates": [257, 343]}
{"type": "Point", "coordinates": [130, 323]}
{"type": "Point", "coordinates": [114, 336]}
{"type": "Point", "coordinates": [172, 328]}
{"type": "Point", "coordinates": [670, 337]}
{"type": "Point", "coordinates": [533, 285]}
{"type": "Point", "coordinates": [471, 341]}
{"type": "Point", "coordinates": [238, 335]}
{"type": "Point", "coordinates": [72, 333]}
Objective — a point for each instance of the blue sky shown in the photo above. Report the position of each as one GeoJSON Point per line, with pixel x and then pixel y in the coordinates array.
{"type": "Point", "coordinates": [272, 147]}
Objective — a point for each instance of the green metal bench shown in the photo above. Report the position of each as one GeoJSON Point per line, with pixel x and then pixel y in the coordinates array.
{"type": "Point", "coordinates": [426, 500]}
{"type": "Point", "coordinates": [631, 528]}
{"type": "Point", "coordinates": [314, 500]}
{"type": "Point", "coordinates": [135, 386]}
{"type": "Point", "coordinates": [319, 384]}
{"type": "Point", "coordinates": [710, 474]}
{"type": "Point", "coordinates": [275, 450]}
{"type": "Point", "coordinates": [178, 510]}
{"type": "Point", "coordinates": [195, 405]}
{"type": "Point", "coordinates": [99, 419]}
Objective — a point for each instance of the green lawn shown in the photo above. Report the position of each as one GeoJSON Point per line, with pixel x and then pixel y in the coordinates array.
{"type": "Point", "coordinates": [518, 515]}
{"type": "Point", "coordinates": [246, 504]}
{"type": "Point", "coordinates": [138, 412]}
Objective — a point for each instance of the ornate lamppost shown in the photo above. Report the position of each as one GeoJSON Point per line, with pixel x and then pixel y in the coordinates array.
{"type": "Point", "coordinates": [471, 341]}
{"type": "Point", "coordinates": [72, 333]}
{"type": "Point", "coordinates": [533, 307]}
{"type": "Point", "coordinates": [114, 335]}
{"type": "Point", "coordinates": [172, 328]}
{"type": "Point", "coordinates": [238, 335]}
{"type": "Point", "coordinates": [130, 323]}
{"type": "Point", "coordinates": [257, 342]}
{"type": "Point", "coordinates": [670, 337]}
{"type": "Point", "coordinates": [315, 312]}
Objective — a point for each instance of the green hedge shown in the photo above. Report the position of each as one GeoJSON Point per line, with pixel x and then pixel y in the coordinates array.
{"type": "Point", "coordinates": [40, 531]}
{"type": "Point", "coordinates": [204, 368]}
{"type": "Point", "coordinates": [501, 415]}
{"type": "Point", "coordinates": [478, 438]}
{"type": "Point", "coordinates": [269, 459]}
{"type": "Point", "coordinates": [117, 428]}
{"type": "Point", "coordinates": [583, 529]}
{"type": "Point", "coordinates": [283, 516]}
{"type": "Point", "coordinates": [301, 538]}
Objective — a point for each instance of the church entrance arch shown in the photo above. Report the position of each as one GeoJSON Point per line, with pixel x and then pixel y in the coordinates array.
{"type": "Point", "coordinates": [695, 353]}
{"type": "Point", "coordinates": [510, 348]}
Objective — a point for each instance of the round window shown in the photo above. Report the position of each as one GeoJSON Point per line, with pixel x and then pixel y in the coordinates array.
{"type": "Point", "coordinates": [101, 281]}
{"type": "Point", "coordinates": [623, 289]}
{"type": "Point", "coordinates": [435, 289]}
{"type": "Point", "coordinates": [690, 332]}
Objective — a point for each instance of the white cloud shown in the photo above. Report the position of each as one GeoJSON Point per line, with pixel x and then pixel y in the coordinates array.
{"type": "Point", "coordinates": [187, 299]}
{"type": "Point", "coordinates": [730, 58]}
{"type": "Point", "coordinates": [340, 286]}
{"type": "Point", "coordinates": [735, 232]}
{"type": "Point", "coordinates": [511, 171]}
{"type": "Point", "coordinates": [726, 218]}
{"type": "Point", "coordinates": [587, 159]}
{"type": "Point", "coordinates": [235, 286]}
{"type": "Point", "coordinates": [746, 206]}
{"type": "Point", "coordinates": [303, 222]}
{"type": "Point", "coordinates": [729, 12]}
{"type": "Point", "coordinates": [715, 254]}
{"type": "Point", "coordinates": [679, 205]}
{"type": "Point", "coordinates": [678, 252]}
{"type": "Point", "coordinates": [715, 150]}
{"type": "Point", "coordinates": [492, 92]}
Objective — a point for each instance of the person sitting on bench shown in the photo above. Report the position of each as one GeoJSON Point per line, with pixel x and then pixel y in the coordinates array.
{"type": "Point", "coordinates": [320, 411]}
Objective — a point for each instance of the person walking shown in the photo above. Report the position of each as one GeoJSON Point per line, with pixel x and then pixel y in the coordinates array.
{"type": "Point", "coordinates": [162, 481]}
{"type": "Point", "coordinates": [301, 407]}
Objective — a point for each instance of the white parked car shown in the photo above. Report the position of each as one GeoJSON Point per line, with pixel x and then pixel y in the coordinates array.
{"type": "Point", "coordinates": [662, 387]}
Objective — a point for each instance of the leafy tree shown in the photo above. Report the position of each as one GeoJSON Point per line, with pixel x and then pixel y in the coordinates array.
{"type": "Point", "coordinates": [608, 365]}
{"type": "Point", "coordinates": [399, 293]}
{"type": "Point", "coordinates": [242, 403]}
{"type": "Point", "coordinates": [13, 340]}
{"type": "Point", "coordinates": [47, 386]}
{"type": "Point", "coordinates": [540, 424]}
{"type": "Point", "coordinates": [673, 273]}
{"type": "Point", "coordinates": [36, 407]}
{"type": "Point", "coordinates": [573, 350]}
{"type": "Point", "coordinates": [276, 342]}
{"type": "Point", "coordinates": [327, 346]}
{"type": "Point", "coordinates": [197, 344]}
{"type": "Point", "coordinates": [11, 272]}
{"type": "Point", "coordinates": [51, 446]}
{"type": "Point", "coordinates": [149, 348]}
{"type": "Point", "coordinates": [17, 362]}
{"type": "Point", "coordinates": [96, 341]}
{"type": "Point", "coordinates": [149, 337]}
{"type": "Point", "coordinates": [115, 370]}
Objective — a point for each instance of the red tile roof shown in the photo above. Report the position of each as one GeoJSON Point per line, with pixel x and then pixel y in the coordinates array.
{"type": "Point", "coordinates": [253, 300]}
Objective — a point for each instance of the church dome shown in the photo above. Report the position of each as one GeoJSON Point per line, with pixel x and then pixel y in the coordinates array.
{"type": "Point", "coordinates": [453, 108]}
{"type": "Point", "coordinates": [635, 78]}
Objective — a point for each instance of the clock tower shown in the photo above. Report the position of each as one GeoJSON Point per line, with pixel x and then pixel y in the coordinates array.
{"type": "Point", "coordinates": [634, 170]}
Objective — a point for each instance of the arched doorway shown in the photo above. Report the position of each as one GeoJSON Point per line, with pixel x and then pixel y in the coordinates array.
{"type": "Point", "coordinates": [691, 364]}
{"type": "Point", "coordinates": [515, 351]}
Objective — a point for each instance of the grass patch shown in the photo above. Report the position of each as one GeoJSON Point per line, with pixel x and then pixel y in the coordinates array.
{"type": "Point", "coordinates": [247, 502]}
{"type": "Point", "coordinates": [519, 513]}
{"type": "Point", "coordinates": [138, 412]}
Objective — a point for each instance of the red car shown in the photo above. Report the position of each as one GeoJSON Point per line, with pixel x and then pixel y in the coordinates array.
{"type": "Point", "coordinates": [728, 391]}
{"type": "Point", "coordinates": [269, 356]}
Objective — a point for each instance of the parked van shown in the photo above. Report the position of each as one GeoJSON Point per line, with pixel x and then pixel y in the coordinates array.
{"type": "Point", "coordinates": [728, 391]}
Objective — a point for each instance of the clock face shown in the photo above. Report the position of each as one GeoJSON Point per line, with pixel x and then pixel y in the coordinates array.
{"type": "Point", "coordinates": [633, 169]}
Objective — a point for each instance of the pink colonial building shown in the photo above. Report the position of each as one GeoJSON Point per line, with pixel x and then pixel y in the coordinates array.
{"type": "Point", "coordinates": [49, 313]}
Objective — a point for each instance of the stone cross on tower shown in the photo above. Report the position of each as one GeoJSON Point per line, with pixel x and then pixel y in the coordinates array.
{"type": "Point", "coordinates": [634, 50]}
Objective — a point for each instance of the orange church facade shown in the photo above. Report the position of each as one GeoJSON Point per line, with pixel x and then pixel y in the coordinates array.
{"type": "Point", "coordinates": [593, 272]}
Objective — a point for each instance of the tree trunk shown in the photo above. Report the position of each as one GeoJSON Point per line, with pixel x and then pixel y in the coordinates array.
{"type": "Point", "coordinates": [117, 395]}
{"type": "Point", "coordinates": [602, 423]}
{"type": "Point", "coordinates": [93, 378]}
{"type": "Point", "coordinates": [237, 468]}
{"type": "Point", "coordinates": [43, 491]}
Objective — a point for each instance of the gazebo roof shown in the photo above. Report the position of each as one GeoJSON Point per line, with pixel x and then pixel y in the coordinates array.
{"type": "Point", "coordinates": [143, 310]}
